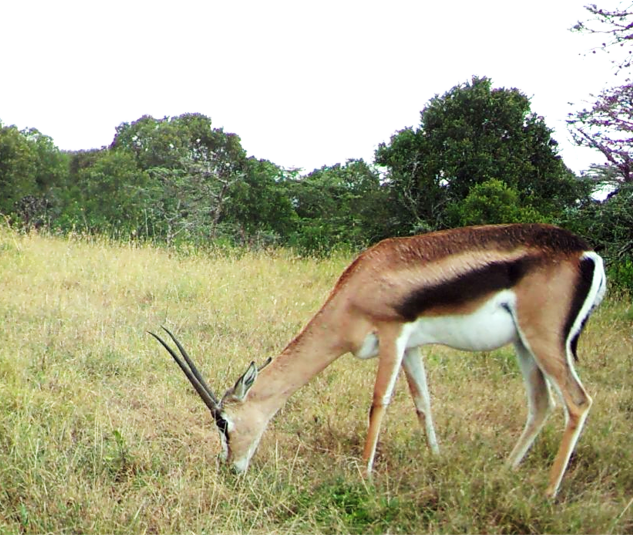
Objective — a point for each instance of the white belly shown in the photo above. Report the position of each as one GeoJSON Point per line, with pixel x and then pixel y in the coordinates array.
{"type": "Point", "coordinates": [491, 326]}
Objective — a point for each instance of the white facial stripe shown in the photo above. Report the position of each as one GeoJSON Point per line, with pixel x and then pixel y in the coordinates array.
{"type": "Point", "coordinates": [225, 447]}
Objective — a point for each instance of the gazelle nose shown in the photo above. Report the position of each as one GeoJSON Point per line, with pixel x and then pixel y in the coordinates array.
{"type": "Point", "coordinates": [239, 467]}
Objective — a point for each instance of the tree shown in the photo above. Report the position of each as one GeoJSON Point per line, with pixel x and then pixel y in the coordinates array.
{"type": "Point", "coordinates": [493, 201]}
{"type": "Point", "coordinates": [193, 165]}
{"type": "Point", "coordinates": [153, 142]}
{"type": "Point", "coordinates": [471, 135]}
{"type": "Point", "coordinates": [340, 204]}
{"type": "Point", "coordinates": [259, 205]}
{"type": "Point", "coordinates": [167, 142]}
{"type": "Point", "coordinates": [607, 123]}
{"type": "Point", "coordinates": [194, 197]}
{"type": "Point", "coordinates": [608, 127]}
{"type": "Point", "coordinates": [609, 224]}
{"type": "Point", "coordinates": [615, 26]}
{"type": "Point", "coordinates": [110, 195]}
{"type": "Point", "coordinates": [30, 166]}
{"type": "Point", "coordinates": [17, 168]}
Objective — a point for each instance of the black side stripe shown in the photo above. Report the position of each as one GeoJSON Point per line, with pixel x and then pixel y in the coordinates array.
{"type": "Point", "coordinates": [583, 287]}
{"type": "Point", "coordinates": [467, 287]}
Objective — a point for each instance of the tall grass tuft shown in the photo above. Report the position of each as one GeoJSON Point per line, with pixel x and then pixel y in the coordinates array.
{"type": "Point", "coordinates": [100, 433]}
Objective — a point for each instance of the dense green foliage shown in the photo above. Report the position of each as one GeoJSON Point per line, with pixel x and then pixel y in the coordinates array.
{"type": "Point", "coordinates": [475, 136]}
{"type": "Point", "coordinates": [607, 125]}
{"type": "Point", "coordinates": [30, 167]}
{"type": "Point", "coordinates": [609, 225]}
{"type": "Point", "coordinates": [340, 204]}
{"type": "Point", "coordinates": [480, 155]}
{"type": "Point", "coordinates": [181, 178]}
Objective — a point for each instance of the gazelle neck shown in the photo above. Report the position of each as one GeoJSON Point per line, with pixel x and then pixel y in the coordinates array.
{"type": "Point", "coordinates": [312, 350]}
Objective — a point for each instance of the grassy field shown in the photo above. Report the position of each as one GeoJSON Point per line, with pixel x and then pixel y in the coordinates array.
{"type": "Point", "coordinates": [101, 433]}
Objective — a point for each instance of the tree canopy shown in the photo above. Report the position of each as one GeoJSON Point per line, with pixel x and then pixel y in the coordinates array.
{"type": "Point", "coordinates": [471, 136]}
{"type": "Point", "coordinates": [479, 155]}
{"type": "Point", "coordinates": [606, 124]}
{"type": "Point", "coordinates": [30, 165]}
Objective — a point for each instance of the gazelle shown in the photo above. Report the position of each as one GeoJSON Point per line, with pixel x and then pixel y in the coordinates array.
{"type": "Point", "coordinates": [474, 289]}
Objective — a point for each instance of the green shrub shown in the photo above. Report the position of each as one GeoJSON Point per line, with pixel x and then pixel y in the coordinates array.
{"type": "Point", "coordinates": [620, 274]}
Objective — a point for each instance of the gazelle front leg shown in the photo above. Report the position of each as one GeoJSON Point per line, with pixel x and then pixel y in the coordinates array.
{"type": "Point", "coordinates": [392, 347]}
{"type": "Point", "coordinates": [413, 365]}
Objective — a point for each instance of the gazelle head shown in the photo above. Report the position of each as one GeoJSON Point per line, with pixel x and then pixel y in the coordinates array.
{"type": "Point", "coordinates": [239, 434]}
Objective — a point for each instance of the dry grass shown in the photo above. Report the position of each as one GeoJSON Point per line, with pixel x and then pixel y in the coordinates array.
{"type": "Point", "coordinates": [100, 433]}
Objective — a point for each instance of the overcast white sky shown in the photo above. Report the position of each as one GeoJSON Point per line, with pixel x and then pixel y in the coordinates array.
{"type": "Point", "coordinates": [303, 83]}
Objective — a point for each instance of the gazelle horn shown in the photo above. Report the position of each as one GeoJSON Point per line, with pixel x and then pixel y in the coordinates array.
{"type": "Point", "coordinates": [191, 372]}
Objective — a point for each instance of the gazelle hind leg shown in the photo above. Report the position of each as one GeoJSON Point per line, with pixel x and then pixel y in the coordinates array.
{"type": "Point", "coordinates": [539, 403]}
{"type": "Point", "coordinates": [391, 353]}
{"type": "Point", "coordinates": [577, 404]}
{"type": "Point", "coordinates": [413, 365]}
{"type": "Point", "coordinates": [557, 365]}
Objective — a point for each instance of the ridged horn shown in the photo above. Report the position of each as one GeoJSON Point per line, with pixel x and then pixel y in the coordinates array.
{"type": "Point", "coordinates": [192, 373]}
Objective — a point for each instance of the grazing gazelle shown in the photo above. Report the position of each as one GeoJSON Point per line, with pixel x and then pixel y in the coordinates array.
{"type": "Point", "coordinates": [474, 289]}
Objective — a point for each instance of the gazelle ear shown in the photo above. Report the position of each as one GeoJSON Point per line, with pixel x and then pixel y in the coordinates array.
{"type": "Point", "coordinates": [268, 361]}
{"type": "Point", "coordinates": [244, 383]}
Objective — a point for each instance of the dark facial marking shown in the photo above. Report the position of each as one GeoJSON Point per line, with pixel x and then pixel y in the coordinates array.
{"type": "Point", "coordinates": [223, 426]}
{"type": "Point", "coordinates": [466, 287]}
